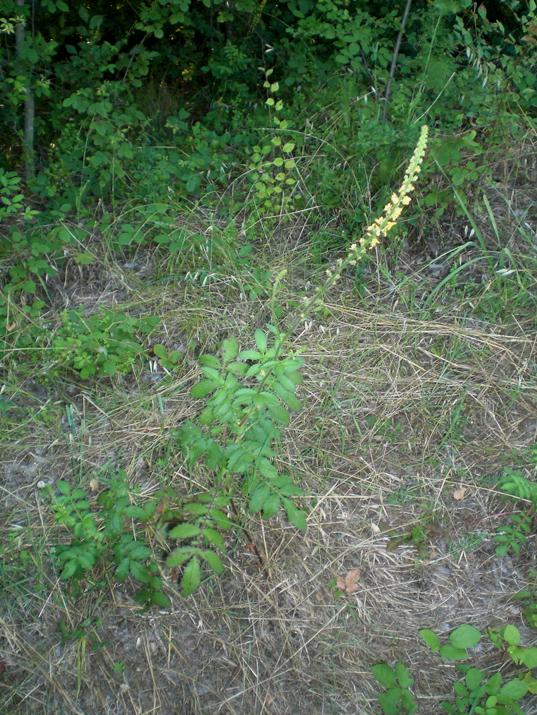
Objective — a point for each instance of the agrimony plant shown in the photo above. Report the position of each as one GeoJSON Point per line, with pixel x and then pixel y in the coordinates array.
{"type": "Point", "coordinates": [107, 531]}
{"type": "Point", "coordinates": [272, 164]}
{"type": "Point", "coordinates": [249, 395]}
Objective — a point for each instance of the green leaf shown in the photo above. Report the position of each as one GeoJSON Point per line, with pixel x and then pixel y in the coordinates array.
{"type": "Point", "coordinates": [210, 361]}
{"type": "Point", "coordinates": [431, 639]}
{"type": "Point", "coordinates": [203, 388]}
{"type": "Point", "coordinates": [195, 508]}
{"type": "Point", "coordinates": [288, 397]}
{"type": "Point", "coordinates": [179, 556]}
{"type": "Point", "coordinates": [122, 570]}
{"type": "Point", "coordinates": [84, 259]}
{"type": "Point", "coordinates": [214, 537]}
{"type": "Point", "coordinates": [212, 373]}
{"type": "Point", "coordinates": [139, 572]}
{"type": "Point", "coordinates": [473, 678]}
{"type": "Point", "coordinates": [258, 498]}
{"type": "Point", "coordinates": [249, 355]}
{"type": "Point", "coordinates": [514, 689]}
{"type": "Point", "coordinates": [230, 349]}
{"type": "Point", "coordinates": [261, 340]}
{"type": "Point", "coordinates": [271, 506]}
{"type": "Point", "coordinates": [184, 531]}
{"type": "Point", "coordinates": [69, 570]}
{"type": "Point", "coordinates": [390, 701]}
{"type": "Point", "coordinates": [465, 636]}
{"type": "Point", "coordinates": [384, 675]}
{"type": "Point", "coordinates": [450, 652]}
{"type": "Point", "coordinates": [139, 552]}
{"type": "Point", "coordinates": [214, 561]}
{"type": "Point", "coordinates": [511, 635]}
{"type": "Point", "coordinates": [191, 577]}
{"type": "Point", "coordinates": [220, 519]}
{"type": "Point", "coordinates": [529, 657]}
{"type": "Point", "coordinates": [403, 675]}
{"type": "Point", "coordinates": [288, 147]}
{"type": "Point", "coordinates": [159, 598]}
{"type": "Point", "coordinates": [296, 516]}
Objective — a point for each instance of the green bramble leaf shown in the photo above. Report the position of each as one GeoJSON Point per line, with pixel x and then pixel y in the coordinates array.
{"type": "Point", "coordinates": [191, 577]}
{"type": "Point", "coordinates": [214, 561]}
{"type": "Point", "coordinates": [450, 652]}
{"type": "Point", "coordinates": [384, 675]}
{"type": "Point", "coordinates": [258, 498]}
{"type": "Point", "coordinates": [295, 516]}
{"type": "Point", "coordinates": [184, 531]}
{"type": "Point", "coordinates": [261, 340]}
{"type": "Point", "coordinates": [431, 639]}
{"type": "Point", "coordinates": [514, 689]}
{"type": "Point", "coordinates": [203, 388]}
{"type": "Point", "coordinates": [179, 556]}
{"type": "Point", "coordinates": [511, 635]}
{"type": "Point", "coordinates": [230, 349]}
{"type": "Point", "coordinates": [474, 678]}
{"type": "Point", "coordinates": [465, 636]}
{"type": "Point", "coordinates": [160, 599]}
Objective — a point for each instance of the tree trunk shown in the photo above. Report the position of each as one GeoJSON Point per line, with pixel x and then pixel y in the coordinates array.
{"type": "Point", "coordinates": [29, 103]}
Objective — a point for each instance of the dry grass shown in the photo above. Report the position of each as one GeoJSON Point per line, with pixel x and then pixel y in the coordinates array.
{"type": "Point", "coordinates": [403, 407]}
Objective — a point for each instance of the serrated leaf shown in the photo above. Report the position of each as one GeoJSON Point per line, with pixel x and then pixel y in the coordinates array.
{"type": "Point", "coordinates": [191, 577]}
{"type": "Point", "coordinates": [260, 340]}
{"type": "Point", "coordinates": [210, 361]}
{"type": "Point", "coordinates": [179, 556]}
{"type": "Point", "coordinates": [220, 519]}
{"type": "Point", "coordinates": [203, 388]}
{"type": "Point", "coordinates": [390, 701]}
{"type": "Point", "coordinates": [214, 561]}
{"type": "Point", "coordinates": [511, 635]}
{"type": "Point", "coordinates": [69, 570]}
{"type": "Point", "coordinates": [160, 599]}
{"type": "Point", "coordinates": [271, 506]}
{"type": "Point", "coordinates": [403, 675]}
{"type": "Point", "coordinates": [230, 349]}
{"type": "Point", "coordinates": [214, 537]}
{"type": "Point", "coordinates": [84, 259]}
{"type": "Point", "coordinates": [195, 508]}
{"type": "Point", "coordinates": [249, 355]}
{"type": "Point", "coordinates": [514, 689]}
{"type": "Point", "coordinates": [184, 531]}
{"type": "Point", "coordinates": [295, 516]}
{"type": "Point", "coordinates": [384, 675]}
{"type": "Point", "coordinates": [266, 468]}
{"type": "Point", "coordinates": [450, 652]}
{"type": "Point", "coordinates": [258, 498]}
{"type": "Point", "coordinates": [431, 639]}
{"type": "Point", "coordinates": [529, 657]}
{"type": "Point", "coordinates": [212, 373]}
{"type": "Point", "coordinates": [139, 552]}
{"type": "Point", "coordinates": [473, 678]}
{"type": "Point", "coordinates": [139, 572]}
{"type": "Point", "coordinates": [465, 636]}
{"type": "Point", "coordinates": [122, 570]}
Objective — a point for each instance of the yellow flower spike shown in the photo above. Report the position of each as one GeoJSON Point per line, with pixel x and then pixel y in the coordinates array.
{"type": "Point", "coordinates": [380, 227]}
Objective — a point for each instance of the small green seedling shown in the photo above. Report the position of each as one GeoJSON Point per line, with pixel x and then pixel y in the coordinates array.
{"type": "Point", "coordinates": [478, 692]}
{"type": "Point", "coordinates": [398, 698]}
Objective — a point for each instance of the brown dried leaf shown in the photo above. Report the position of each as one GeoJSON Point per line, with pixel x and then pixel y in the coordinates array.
{"type": "Point", "coordinates": [350, 582]}
{"type": "Point", "coordinates": [459, 493]}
